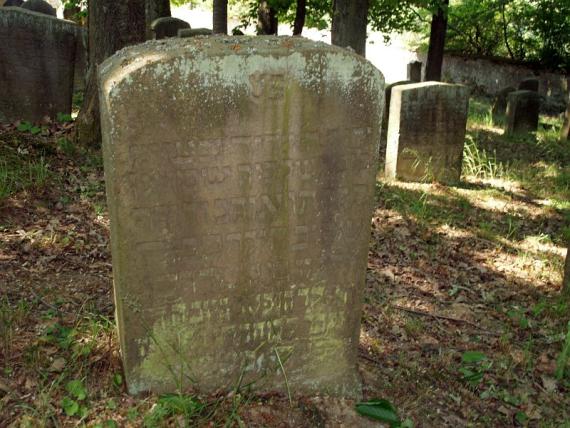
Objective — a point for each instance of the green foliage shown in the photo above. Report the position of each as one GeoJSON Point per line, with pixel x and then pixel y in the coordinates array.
{"type": "Point", "coordinates": [474, 365]}
{"type": "Point", "coordinates": [564, 357]}
{"type": "Point", "coordinates": [171, 405]}
{"type": "Point", "coordinates": [73, 403]}
{"type": "Point", "coordinates": [382, 410]}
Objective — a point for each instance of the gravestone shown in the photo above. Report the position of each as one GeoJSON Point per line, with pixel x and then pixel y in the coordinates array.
{"type": "Point", "coordinates": [37, 54]}
{"type": "Point", "coordinates": [565, 131]}
{"type": "Point", "coordinates": [240, 179]}
{"type": "Point", "coordinates": [522, 112]}
{"type": "Point", "coordinates": [193, 32]}
{"type": "Point", "coordinates": [426, 132]}
{"type": "Point", "coordinates": [39, 6]}
{"type": "Point", "coordinates": [500, 104]}
{"type": "Point", "coordinates": [14, 3]}
{"type": "Point", "coordinates": [414, 71]}
{"type": "Point", "coordinates": [529, 85]}
{"type": "Point", "coordinates": [387, 98]}
{"type": "Point", "coordinates": [167, 27]}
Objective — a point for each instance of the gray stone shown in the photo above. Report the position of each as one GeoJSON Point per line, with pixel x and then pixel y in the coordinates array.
{"type": "Point", "coordinates": [414, 71]}
{"type": "Point", "coordinates": [522, 112]}
{"type": "Point", "coordinates": [240, 178]}
{"type": "Point", "coordinates": [167, 27]}
{"type": "Point", "coordinates": [14, 3]}
{"type": "Point", "coordinates": [193, 32]}
{"type": "Point", "coordinates": [500, 104]}
{"type": "Point", "coordinates": [387, 98]}
{"type": "Point", "coordinates": [565, 131]}
{"type": "Point", "coordinates": [39, 6]}
{"type": "Point", "coordinates": [37, 67]}
{"type": "Point", "coordinates": [426, 132]}
{"type": "Point", "coordinates": [529, 85]}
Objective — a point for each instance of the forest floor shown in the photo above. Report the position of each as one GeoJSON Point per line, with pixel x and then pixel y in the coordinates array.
{"type": "Point", "coordinates": [463, 323]}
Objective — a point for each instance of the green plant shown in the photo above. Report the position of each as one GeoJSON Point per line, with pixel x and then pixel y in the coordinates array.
{"type": "Point", "coordinates": [564, 357]}
{"type": "Point", "coordinates": [382, 410]}
{"type": "Point", "coordinates": [169, 405]}
{"type": "Point", "coordinates": [474, 365]}
{"type": "Point", "coordinates": [479, 163]}
{"type": "Point", "coordinates": [73, 404]}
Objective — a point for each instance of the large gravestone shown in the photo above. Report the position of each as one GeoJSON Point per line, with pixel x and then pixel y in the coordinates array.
{"type": "Point", "coordinates": [37, 63]}
{"type": "Point", "coordinates": [167, 27]}
{"type": "Point", "coordinates": [240, 178]}
{"type": "Point", "coordinates": [522, 112]}
{"type": "Point", "coordinates": [426, 132]}
{"type": "Point", "coordinates": [387, 98]}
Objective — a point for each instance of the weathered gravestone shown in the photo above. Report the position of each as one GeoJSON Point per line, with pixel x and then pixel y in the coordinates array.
{"type": "Point", "coordinates": [426, 132]}
{"type": "Point", "coordinates": [13, 3]}
{"type": "Point", "coordinates": [193, 32]}
{"type": "Point", "coordinates": [387, 98]}
{"type": "Point", "coordinates": [240, 176]}
{"type": "Point", "coordinates": [37, 64]}
{"type": "Point", "coordinates": [565, 131]}
{"type": "Point", "coordinates": [522, 112]}
{"type": "Point", "coordinates": [500, 104]}
{"type": "Point", "coordinates": [167, 27]}
{"type": "Point", "coordinates": [39, 6]}
{"type": "Point", "coordinates": [414, 71]}
{"type": "Point", "coordinates": [529, 85]}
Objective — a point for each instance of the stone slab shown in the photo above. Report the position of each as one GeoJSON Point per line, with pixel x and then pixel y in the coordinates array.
{"type": "Point", "coordinates": [37, 67]}
{"type": "Point", "coordinates": [240, 178]}
{"type": "Point", "coordinates": [414, 71]}
{"type": "Point", "coordinates": [426, 132]}
{"type": "Point", "coordinates": [193, 32]}
{"type": "Point", "coordinates": [522, 112]}
{"type": "Point", "coordinates": [167, 27]}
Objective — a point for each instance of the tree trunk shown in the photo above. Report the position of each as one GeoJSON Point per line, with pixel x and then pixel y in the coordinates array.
{"type": "Point", "coordinates": [300, 14]}
{"type": "Point", "coordinates": [220, 16]}
{"type": "Point", "coordinates": [112, 25]}
{"type": "Point", "coordinates": [349, 21]}
{"type": "Point", "coordinates": [566, 279]}
{"type": "Point", "coordinates": [266, 19]}
{"type": "Point", "coordinates": [155, 9]}
{"type": "Point", "coordinates": [437, 43]}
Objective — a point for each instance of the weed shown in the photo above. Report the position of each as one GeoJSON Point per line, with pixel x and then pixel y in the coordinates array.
{"type": "Point", "coordinates": [564, 357]}
{"type": "Point", "coordinates": [479, 163]}
{"type": "Point", "coordinates": [474, 365]}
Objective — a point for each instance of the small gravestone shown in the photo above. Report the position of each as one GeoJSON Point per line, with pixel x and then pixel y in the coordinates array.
{"type": "Point", "coordinates": [193, 32]}
{"type": "Point", "coordinates": [14, 3]}
{"type": "Point", "coordinates": [167, 27]}
{"type": "Point", "coordinates": [240, 179]}
{"type": "Point", "coordinates": [500, 104]}
{"type": "Point", "coordinates": [39, 6]}
{"type": "Point", "coordinates": [37, 63]}
{"type": "Point", "coordinates": [565, 131]}
{"type": "Point", "coordinates": [529, 85]}
{"type": "Point", "coordinates": [426, 132]}
{"type": "Point", "coordinates": [387, 98]}
{"type": "Point", "coordinates": [414, 71]}
{"type": "Point", "coordinates": [522, 112]}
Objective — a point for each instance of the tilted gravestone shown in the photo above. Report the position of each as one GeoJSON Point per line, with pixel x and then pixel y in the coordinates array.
{"type": "Point", "coordinates": [240, 178]}
{"type": "Point", "coordinates": [193, 32]}
{"type": "Point", "coordinates": [387, 98]}
{"type": "Point", "coordinates": [426, 132]}
{"type": "Point", "coordinates": [529, 85]}
{"type": "Point", "coordinates": [167, 27]}
{"type": "Point", "coordinates": [414, 71]}
{"type": "Point", "coordinates": [39, 6]}
{"type": "Point", "coordinates": [522, 112]}
{"type": "Point", "coordinates": [500, 104]}
{"type": "Point", "coordinates": [37, 64]}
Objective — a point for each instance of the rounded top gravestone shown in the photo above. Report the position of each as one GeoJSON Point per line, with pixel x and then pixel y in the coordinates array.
{"type": "Point", "coordinates": [39, 6]}
{"type": "Point", "coordinates": [240, 174]}
{"type": "Point", "coordinates": [167, 27]}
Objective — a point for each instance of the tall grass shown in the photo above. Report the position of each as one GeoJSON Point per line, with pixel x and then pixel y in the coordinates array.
{"type": "Point", "coordinates": [479, 163]}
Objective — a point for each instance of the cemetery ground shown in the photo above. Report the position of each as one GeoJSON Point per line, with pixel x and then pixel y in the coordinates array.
{"type": "Point", "coordinates": [463, 321]}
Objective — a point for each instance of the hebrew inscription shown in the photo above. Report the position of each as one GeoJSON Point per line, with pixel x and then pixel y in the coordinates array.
{"type": "Point", "coordinates": [240, 188]}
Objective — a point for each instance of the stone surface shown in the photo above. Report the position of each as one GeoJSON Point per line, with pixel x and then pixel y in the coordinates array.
{"type": "Point", "coordinates": [565, 131]}
{"type": "Point", "coordinates": [13, 3]}
{"type": "Point", "coordinates": [193, 32]}
{"type": "Point", "coordinates": [39, 6]}
{"type": "Point", "coordinates": [529, 85]}
{"type": "Point", "coordinates": [387, 98]}
{"type": "Point", "coordinates": [426, 132]}
{"type": "Point", "coordinates": [500, 104]}
{"type": "Point", "coordinates": [167, 27]}
{"type": "Point", "coordinates": [37, 67]}
{"type": "Point", "coordinates": [240, 179]}
{"type": "Point", "coordinates": [414, 72]}
{"type": "Point", "coordinates": [522, 112]}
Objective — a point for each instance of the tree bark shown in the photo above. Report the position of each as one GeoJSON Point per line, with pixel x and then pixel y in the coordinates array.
{"type": "Point", "coordinates": [220, 16]}
{"type": "Point", "coordinates": [112, 25]}
{"type": "Point", "coordinates": [349, 21]}
{"type": "Point", "coordinates": [437, 43]}
{"type": "Point", "coordinates": [300, 14]}
{"type": "Point", "coordinates": [155, 9]}
{"type": "Point", "coordinates": [266, 19]}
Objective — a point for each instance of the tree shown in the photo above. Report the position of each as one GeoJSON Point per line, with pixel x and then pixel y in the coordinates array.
{"type": "Point", "coordinates": [155, 9]}
{"type": "Point", "coordinates": [266, 18]}
{"type": "Point", "coordinates": [300, 14]}
{"type": "Point", "coordinates": [349, 21]}
{"type": "Point", "coordinates": [437, 42]}
{"type": "Point", "coordinates": [112, 26]}
{"type": "Point", "coordinates": [220, 17]}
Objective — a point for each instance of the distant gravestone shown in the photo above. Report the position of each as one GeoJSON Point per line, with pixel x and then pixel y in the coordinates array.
{"type": "Point", "coordinates": [565, 131]}
{"type": "Point", "coordinates": [529, 85]}
{"type": "Point", "coordinates": [426, 132]}
{"type": "Point", "coordinates": [39, 6]}
{"type": "Point", "coordinates": [414, 71]}
{"type": "Point", "coordinates": [387, 98]}
{"type": "Point", "coordinates": [167, 27]}
{"type": "Point", "coordinates": [240, 174]}
{"type": "Point", "coordinates": [522, 112]}
{"type": "Point", "coordinates": [193, 32]}
{"type": "Point", "coordinates": [37, 65]}
{"type": "Point", "coordinates": [500, 104]}
{"type": "Point", "coordinates": [14, 3]}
